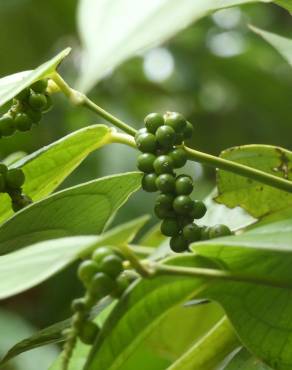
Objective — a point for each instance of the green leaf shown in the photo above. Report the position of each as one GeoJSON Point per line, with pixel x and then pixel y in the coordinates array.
{"type": "Point", "coordinates": [285, 4]}
{"type": "Point", "coordinates": [48, 167]}
{"type": "Point", "coordinates": [81, 210]}
{"type": "Point", "coordinates": [137, 313]}
{"type": "Point", "coordinates": [11, 85]}
{"type": "Point", "coordinates": [261, 314]}
{"type": "Point", "coordinates": [153, 238]}
{"type": "Point", "coordinates": [36, 263]}
{"type": "Point", "coordinates": [256, 198]}
{"type": "Point", "coordinates": [243, 360]}
{"type": "Point", "coordinates": [130, 27]}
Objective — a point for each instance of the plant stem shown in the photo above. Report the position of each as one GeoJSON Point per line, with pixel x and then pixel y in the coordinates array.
{"type": "Point", "coordinates": [212, 274]}
{"type": "Point", "coordinates": [239, 169]}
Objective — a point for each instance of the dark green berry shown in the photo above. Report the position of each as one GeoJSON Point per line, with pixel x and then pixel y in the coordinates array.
{"type": "Point", "coordinates": [153, 121]}
{"type": "Point", "coordinates": [86, 271]}
{"type": "Point", "coordinates": [184, 185]}
{"type": "Point", "coordinates": [178, 244]}
{"type": "Point", "coordinates": [165, 201]}
{"type": "Point", "coordinates": [34, 115]}
{"type": "Point", "coordinates": [7, 125]}
{"type": "Point", "coordinates": [112, 266]}
{"type": "Point", "coordinates": [101, 285]}
{"type": "Point", "coordinates": [15, 178]}
{"type": "Point", "coordinates": [166, 183]}
{"type": "Point", "coordinates": [162, 212]}
{"type": "Point", "coordinates": [100, 253]}
{"type": "Point", "coordinates": [24, 94]}
{"type": "Point", "coordinates": [192, 233]}
{"type": "Point", "coordinates": [199, 210]}
{"type": "Point", "coordinates": [188, 131]}
{"type": "Point", "coordinates": [179, 139]}
{"type": "Point", "coordinates": [123, 282]}
{"type": "Point", "coordinates": [19, 201]}
{"type": "Point", "coordinates": [146, 143]}
{"type": "Point", "coordinates": [37, 101]}
{"type": "Point", "coordinates": [179, 157]}
{"type": "Point", "coordinates": [165, 136]}
{"type": "Point", "coordinates": [163, 164]}
{"type": "Point", "coordinates": [88, 332]}
{"type": "Point", "coordinates": [49, 104]}
{"type": "Point", "coordinates": [149, 182]}
{"type": "Point", "coordinates": [170, 227]}
{"type": "Point", "coordinates": [145, 162]}
{"type": "Point", "coordinates": [79, 305]}
{"type": "Point", "coordinates": [140, 132]}
{"type": "Point", "coordinates": [39, 86]}
{"type": "Point", "coordinates": [78, 320]}
{"type": "Point", "coordinates": [205, 232]}
{"type": "Point", "coordinates": [218, 231]}
{"type": "Point", "coordinates": [23, 122]}
{"type": "Point", "coordinates": [176, 121]}
{"type": "Point", "coordinates": [183, 204]}
{"type": "Point", "coordinates": [2, 183]}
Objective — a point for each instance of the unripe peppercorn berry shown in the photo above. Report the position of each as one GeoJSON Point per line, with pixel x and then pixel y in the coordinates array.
{"type": "Point", "coordinates": [178, 244]}
{"type": "Point", "coordinates": [39, 86]}
{"type": "Point", "coordinates": [22, 95]}
{"type": "Point", "coordinates": [23, 122]}
{"type": "Point", "coordinates": [122, 282]}
{"type": "Point", "coordinates": [149, 182]}
{"type": "Point", "coordinates": [78, 305]}
{"type": "Point", "coordinates": [153, 121]}
{"type": "Point", "coordinates": [34, 115]}
{"type": "Point", "coordinates": [140, 132]}
{"type": "Point", "coordinates": [86, 271]}
{"type": "Point", "coordinates": [166, 183]}
{"type": "Point", "coordinates": [88, 332]}
{"type": "Point", "coordinates": [184, 185]}
{"type": "Point", "coordinates": [49, 104]}
{"type": "Point", "coordinates": [15, 178]}
{"type": "Point", "coordinates": [183, 204]}
{"type": "Point", "coordinates": [165, 136]}
{"type": "Point", "coordinates": [188, 131]}
{"type": "Point", "coordinates": [101, 285]}
{"type": "Point", "coordinates": [162, 212]}
{"type": "Point", "coordinates": [111, 265]}
{"type": "Point", "coordinates": [146, 143]}
{"type": "Point", "coordinates": [199, 210]}
{"type": "Point", "coordinates": [192, 233]}
{"type": "Point", "coordinates": [170, 227]}
{"type": "Point", "coordinates": [37, 101]}
{"type": "Point", "coordinates": [205, 232]}
{"type": "Point", "coordinates": [179, 157]}
{"type": "Point", "coordinates": [175, 121]}
{"type": "Point", "coordinates": [145, 162]}
{"type": "Point", "coordinates": [165, 201]}
{"type": "Point", "coordinates": [100, 253]}
{"type": "Point", "coordinates": [218, 231]}
{"type": "Point", "coordinates": [7, 125]}
{"type": "Point", "coordinates": [163, 164]}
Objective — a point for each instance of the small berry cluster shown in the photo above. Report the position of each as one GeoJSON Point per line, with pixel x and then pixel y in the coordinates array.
{"type": "Point", "coordinates": [11, 182]}
{"type": "Point", "coordinates": [27, 109]}
{"type": "Point", "coordinates": [101, 275]}
{"type": "Point", "coordinates": [158, 143]}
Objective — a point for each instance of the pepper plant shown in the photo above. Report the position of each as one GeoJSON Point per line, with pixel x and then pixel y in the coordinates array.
{"type": "Point", "coordinates": [135, 290]}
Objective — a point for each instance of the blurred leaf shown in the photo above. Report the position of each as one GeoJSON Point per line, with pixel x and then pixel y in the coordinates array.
{"type": "Point", "coordinates": [113, 31]}
{"type": "Point", "coordinates": [38, 262]}
{"type": "Point", "coordinates": [285, 4]}
{"type": "Point", "coordinates": [11, 85]}
{"type": "Point", "coordinates": [256, 198]}
{"type": "Point", "coordinates": [153, 238]}
{"type": "Point", "coordinates": [243, 360]}
{"type": "Point", "coordinates": [48, 167]}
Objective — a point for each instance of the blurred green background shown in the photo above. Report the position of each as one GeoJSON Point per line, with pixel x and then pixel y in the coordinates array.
{"type": "Point", "coordinates": [233, 86]}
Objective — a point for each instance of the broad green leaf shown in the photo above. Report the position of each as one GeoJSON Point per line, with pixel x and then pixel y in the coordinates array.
{"type": "Point", "coordinates": [113, 31]}
{"type": "Point", "coordinates": [285, 4]}
{"type": "Point", "coordinates": [153, 238]}
{"type": "Point", "coordinates": [211, 350]}
{"type": "Point", "coordinates": [243, 360]}
{"type": "Point", "coordinates": [11, 85]}
{"type": "Point", "coordinates": [261, 314]}
{"type": "Point", "coordinates": [256, 198]}
{"type": "Point", "coordinates": [48, 167]}
{"type": "Point", "coordinates": [36, 263]}
{"type": "Point", "coordinates": [81, 210]}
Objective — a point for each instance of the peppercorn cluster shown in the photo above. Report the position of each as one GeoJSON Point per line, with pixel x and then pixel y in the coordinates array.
{"type": "Point", "coordinates": [27, 109]}
{"type": "Point", "coordinates": [11, 182]}
{"type": "Point", "coordinates": [101, 275]}
{"type": "Point", "coordinates": [159, 143]}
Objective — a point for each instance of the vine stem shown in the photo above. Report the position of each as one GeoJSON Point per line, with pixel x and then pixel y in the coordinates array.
{"type": "Point", "coordinates": [79, 99]}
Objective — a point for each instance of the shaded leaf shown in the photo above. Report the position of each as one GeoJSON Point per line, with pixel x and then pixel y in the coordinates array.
{"type": "Point", "coordinates": [243, 360]}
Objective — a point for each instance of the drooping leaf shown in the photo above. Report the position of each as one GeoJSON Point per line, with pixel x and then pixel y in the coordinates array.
{"type": "Point", "coordinates": [48, 167]}
{"type": "Point", "coordinates": [129, 26]}
{"type": "Point", "coordinates": [256, 198]}
{"type": "Point", "coordinates": [11, 85]}
{"type": "Point", "coordinates": [36, 263]}
{"type": "Point", "coordinates": [243, 360]}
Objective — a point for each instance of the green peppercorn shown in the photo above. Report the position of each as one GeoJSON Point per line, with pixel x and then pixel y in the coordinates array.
{"type": "Point", "coordinates": [166, 183]}
{"type": "Point", "coordinates": [140, 132]}
{"type": "Point", "coordinates": [165, 201]}
{"type": "Point", "coordinates": [88, 332]}
{"type": "Point", "coordinates": [149, 182]}
{"type": "Point", "coordinates": [162, 212]}
{"type": "Point", "coordinates": [24, 94]}
{"type": "Point", "coordinates": [178, 244]}
{"type": "Point", "coordinates": [34, 115]}
{"type": "Point", "coordinates": [153, 121]}
{"type": "Point", "coordinates": [40, 86]}
{"type": "Point", "coordinates": [86, 271]}
{"type": "Point", "coordinates": [78, 305]}
{"type": "Point", "coordinates": [176, 121]}
{"type": "Point", "coordinates": [15, 178]}
{"type": "Point", "coordinates": [37, 101]}
{"type": "Point", "coordinates": [111, 266]}
{"type": "Point", "coordinates": [184, 185]}
{"type": "Point", "coordinates": [146, 143]}
{"type": "Point", "coordinates": [192, 233]}
{"type": "Point", "coordinates": [163, 164]}
{"type": "Point", "coordinates": [2, 183]}
{"type": "Point", "coordinates": [165, 136]}
{"type": "Point", "coordinates": [205, 232]}
{"type": "Point", "coordinates": [49, 104]}
{"type": "Point", "coordinates": [100, 253]}
{"type": "Point", "coordinates": [23, 122]}
{"type": "Point", "coordinates": [199, 210]}
{"type": "Point", "coordinates": [219, 230]}
{"type": "Point", "coordinates": [7, 125]}
{"type": "Point", "coordinates": [101, 285]}
{"type": "Point", "coordinates": [123, 282]}
{"type": "Point", "coordinates": [179, 157]}
{"type": "Point", "coordinates": [188, 131]}
{"type": "Point", "coordinates": [183, 204]}
{"type": "Point", "coordinates": [170, 227]}
{"type": "Point", "coordinates": [145, 162]}
{"type": "Point", "coordinates": [179, 139]}
{"type": "Point", "coordinates": [78, 320]}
